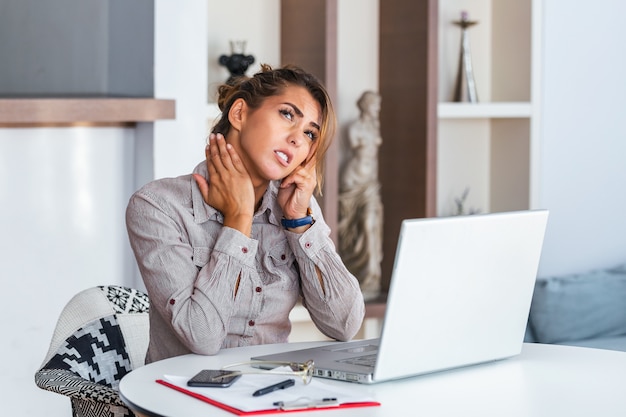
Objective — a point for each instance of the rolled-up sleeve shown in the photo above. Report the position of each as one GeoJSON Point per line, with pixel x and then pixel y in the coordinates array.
{"type": "Point", "coordinates": [336, 307]}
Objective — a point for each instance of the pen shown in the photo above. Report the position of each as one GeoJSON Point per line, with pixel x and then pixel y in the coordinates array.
{"type": "Point", "coordinates": [281, 385]}
{"type": "Point", "coordinates": [304, 403]}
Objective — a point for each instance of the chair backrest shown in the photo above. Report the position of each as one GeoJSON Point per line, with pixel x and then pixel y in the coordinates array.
{"type": "Point", "coordinates": [107, 324]}
{"type": "Point", "coordinates": [100, 336]}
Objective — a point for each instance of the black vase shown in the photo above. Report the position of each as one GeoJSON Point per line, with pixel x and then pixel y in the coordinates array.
{"type": "Point", "coordinates": [237, 63]}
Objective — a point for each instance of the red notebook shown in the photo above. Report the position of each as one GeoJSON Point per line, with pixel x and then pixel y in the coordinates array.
{"type": "Point", "coordinates": [216, 399]}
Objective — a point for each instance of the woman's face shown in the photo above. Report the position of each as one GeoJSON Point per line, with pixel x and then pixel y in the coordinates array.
{"type": "Point", "coordinates": [278, 136]}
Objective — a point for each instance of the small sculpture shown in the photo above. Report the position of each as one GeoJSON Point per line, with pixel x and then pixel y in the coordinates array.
{"type": "Point", "coordinates": [465, 89]}
{"type": "Point", "coordinates": [237, 62]}
{"type": "Point", "coordinates": [360, 205]}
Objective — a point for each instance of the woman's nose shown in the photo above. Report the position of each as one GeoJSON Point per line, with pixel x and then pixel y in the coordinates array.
{"type": "Point", "coordinates": [294, 138]}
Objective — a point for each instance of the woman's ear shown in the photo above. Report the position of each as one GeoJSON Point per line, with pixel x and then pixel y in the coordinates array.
{"type": "Point", "coordinates": [237, 113]}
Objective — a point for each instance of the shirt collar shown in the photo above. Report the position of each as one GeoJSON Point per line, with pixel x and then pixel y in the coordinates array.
{"type": "Point", "coordinates": [203, 212]}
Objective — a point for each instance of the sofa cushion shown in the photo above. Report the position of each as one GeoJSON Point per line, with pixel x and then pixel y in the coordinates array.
{"type": "Point", "coordinates": [580, 306]}
{"type": "Point", "coordinates": [610, 343]}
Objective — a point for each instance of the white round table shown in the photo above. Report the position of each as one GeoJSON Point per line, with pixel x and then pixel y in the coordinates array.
{"type": "Point", "coordinates": [544, 380]}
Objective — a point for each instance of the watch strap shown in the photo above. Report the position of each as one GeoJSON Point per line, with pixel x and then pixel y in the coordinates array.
{"type": "Point", "coordinates": [303, 221]}
{"type": "Point", "coordinates": [292, 224]}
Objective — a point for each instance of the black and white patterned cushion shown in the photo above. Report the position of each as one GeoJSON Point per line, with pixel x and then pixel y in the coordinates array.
{"type": "Point", "coordinates": [96, 352]}
{"type": "Point", "coordinates": [67, 383]}
{"type": "Point", "coordinates": [89, 354]}
{"type": "Point", "coordinates": [126, 300]}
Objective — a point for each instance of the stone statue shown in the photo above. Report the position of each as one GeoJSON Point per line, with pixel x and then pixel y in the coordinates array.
{"type": "Point", "coordinates": [360, 206]}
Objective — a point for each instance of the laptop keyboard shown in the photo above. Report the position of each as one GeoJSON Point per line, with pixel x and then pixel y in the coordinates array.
{"type": "Point", "coordinates": [366, 360]}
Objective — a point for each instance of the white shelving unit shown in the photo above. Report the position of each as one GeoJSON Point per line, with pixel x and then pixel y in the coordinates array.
{"type": "Point", "coordinates": [484, 110]}
{"type": "Point", "coordinates": [489, 147]}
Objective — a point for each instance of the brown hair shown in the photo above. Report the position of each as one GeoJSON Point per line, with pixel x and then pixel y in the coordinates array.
{"type": "Point", "coordinates": [270, 82]}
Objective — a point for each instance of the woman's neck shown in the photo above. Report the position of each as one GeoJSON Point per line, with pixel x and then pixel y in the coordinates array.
{"type": "Point", "coordinates": [259, 184]}
{"type": "Point", "coordinates": [259, 192]}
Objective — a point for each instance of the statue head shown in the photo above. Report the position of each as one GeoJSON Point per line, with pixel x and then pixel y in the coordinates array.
{"type": "Point", "coordinates": [369, 103]}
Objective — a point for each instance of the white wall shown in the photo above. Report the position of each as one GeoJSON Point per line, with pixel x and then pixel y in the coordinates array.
{"type": "Point", "coordinates": [63, 192]}
{"type": "Point", "coordinates": [357, 60]}
{"type": "Point", "coordinates": [583, 169]}
{"type": "Point", "coordinates": [180, 72]}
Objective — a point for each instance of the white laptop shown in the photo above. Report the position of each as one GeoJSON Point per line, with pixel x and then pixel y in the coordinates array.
{"type": "Point", "coordinates": [459, 295]}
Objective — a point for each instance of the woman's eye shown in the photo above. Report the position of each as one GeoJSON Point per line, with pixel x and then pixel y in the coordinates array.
{"type": "Point", "coordinates": [311, 134]}
{"type": "Point", "coordinates": [287, 113]}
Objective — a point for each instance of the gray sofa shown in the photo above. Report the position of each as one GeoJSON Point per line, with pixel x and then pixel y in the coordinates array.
{"type": "Point", "coordinates": [580, 309]}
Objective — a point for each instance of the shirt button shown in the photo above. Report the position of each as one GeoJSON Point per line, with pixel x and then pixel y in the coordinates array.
{"type": "Point", "coordinates": [172, 301]}
{"type": "Point", "coordinates": [244, 250]}
{"type": "Point", "coordinates": [251, 323]}
{"type": "Point", "coordinates": [307, 245]}
{"type": "Point", "coordinates": [258, 289]}
{"type": "Point", "coordinates": [283, 256]}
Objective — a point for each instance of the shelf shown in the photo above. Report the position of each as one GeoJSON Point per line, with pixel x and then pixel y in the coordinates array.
{"type": "Point", "coordinates": [24, 112]}
{"type": "Point", "coordinates": [484, 110]}
{"type": "Point", "coordinates": [489, 147]}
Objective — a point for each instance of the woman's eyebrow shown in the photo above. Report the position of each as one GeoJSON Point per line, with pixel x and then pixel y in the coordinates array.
{"type": "Point", "coordinates": [300, 114]}
{"type": "Point", "coordinates": [315, 125]}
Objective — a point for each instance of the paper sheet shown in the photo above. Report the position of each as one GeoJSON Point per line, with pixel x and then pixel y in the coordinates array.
{"type": "Point", "coordinates": [239, 395]}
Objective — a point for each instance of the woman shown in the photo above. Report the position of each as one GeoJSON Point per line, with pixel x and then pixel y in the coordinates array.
{"type": "Point", "coordinates": [226, 252]}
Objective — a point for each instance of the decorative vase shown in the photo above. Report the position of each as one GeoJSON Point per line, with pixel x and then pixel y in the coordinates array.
{"type": "Point", "coordinates": [237, 62]}
{"type": "Point", "coordinates": [465, 89]}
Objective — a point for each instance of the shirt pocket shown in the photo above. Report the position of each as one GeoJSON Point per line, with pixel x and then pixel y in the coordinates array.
{"type": "Point", "coordinates": [280, 267]}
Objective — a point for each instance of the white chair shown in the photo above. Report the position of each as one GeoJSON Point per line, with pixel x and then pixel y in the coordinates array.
{"type": "Point", "coordinates": [101, 335]}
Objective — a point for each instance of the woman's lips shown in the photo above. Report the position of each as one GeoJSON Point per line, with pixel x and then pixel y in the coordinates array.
{"type": "Point", "coordinates": [283, 157]}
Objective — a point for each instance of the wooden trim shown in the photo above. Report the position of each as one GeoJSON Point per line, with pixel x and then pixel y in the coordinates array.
{"type": "Point", "coordinates": [330, 199]}
{"type": "Point", "coordinates": [432, 102]}
{"type": "Point", "coordinates": [408, 117]}
{"type": "Point", "coordinates": [69, 124]}
{"type": "Point", "coordinates": [23, 112]}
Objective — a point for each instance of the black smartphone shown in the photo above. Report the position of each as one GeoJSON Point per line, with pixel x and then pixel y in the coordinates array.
{"type": "Point", "coordinates": [213, 378]}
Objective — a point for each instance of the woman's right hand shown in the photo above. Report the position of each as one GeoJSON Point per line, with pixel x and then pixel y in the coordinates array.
{"type": "Point", "coordinates": [230, 189]}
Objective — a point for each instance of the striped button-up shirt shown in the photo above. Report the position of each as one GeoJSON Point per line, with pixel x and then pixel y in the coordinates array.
{"type": "Point", "coordinates": [212, 287]}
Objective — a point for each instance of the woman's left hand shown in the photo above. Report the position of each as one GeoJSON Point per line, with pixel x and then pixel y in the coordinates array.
{"type": "Point", "coordinates": [294, 195]}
